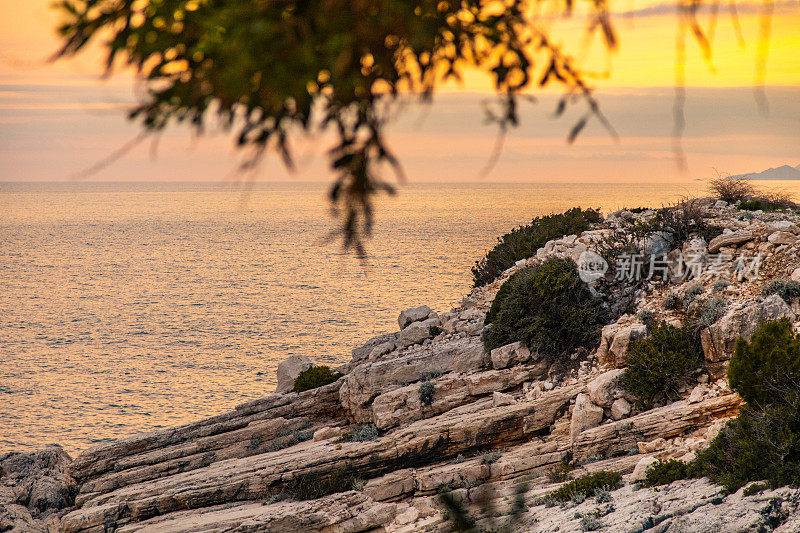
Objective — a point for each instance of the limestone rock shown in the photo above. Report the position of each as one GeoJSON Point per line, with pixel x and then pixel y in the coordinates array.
{"type": "Point", "coordinates": [416, 332]}
{"type": "Point", "coordinates": [618, 349]}
{"type": "Point", "coordinates": [640, 471]}
{"type": "Point", "coordinates": [510, 355]}
{"type": "Point", "coordinates": [289, 369]}
{"type": "Point", "coordinates": [605, 388]}
{"type": "Point", "coordinates": [499, 399]}
{"type": "Point", "coordinates": [620, 409]}
{"type": "Point", "coordinates": [719, 339]}
{"type": "Point", "coordinates": [415, 314]}
{"type": "Point", "coordinates": [727, 239]}
{"type": "Point", "coordinates": [796, 275]}
{"type": "Point", "coordinates": [585, 415]}
{"type": "Point", "coordinates": [326, 432]}
{"type": "Point", "coordinates": [782, 237]}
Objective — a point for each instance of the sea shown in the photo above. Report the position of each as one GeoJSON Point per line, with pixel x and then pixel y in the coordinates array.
{"type": "Point", "coordinates": [129, 307]}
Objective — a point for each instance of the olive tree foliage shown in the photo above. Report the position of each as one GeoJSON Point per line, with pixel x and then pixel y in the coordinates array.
{"type": "Point", "coordinates": [271, 70]}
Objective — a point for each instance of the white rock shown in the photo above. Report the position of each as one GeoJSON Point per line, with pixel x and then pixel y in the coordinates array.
{"type": "Point", "coordinates": [326, 433]}
{"type": "Point", "coordinates": [697, 394]}
{"type": "Point", "coordinates": [782, 237]}
{"type": "Point", "coordinates": [640, 470]}
{"type": "Point", "coordinates": [500, 398]}
{"type": "Point", "coordinates": [620, 408]}
{"type": "Point", "coordinates": [414, 314]}
{"type": "Point", "coordinates": [510, 355]}
{"type": "Point", "coordinates": [289, 369]}
{"type": "Point", "coordinates": [796, 275]}
{"type": "Point", "coordinates": [585, 415]}
{"type": "Point", "coordinates": [720, 204]}
{"type": "Point", "coordinates": [605, 388]}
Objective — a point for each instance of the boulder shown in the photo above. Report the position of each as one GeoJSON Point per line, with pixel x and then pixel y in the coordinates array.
{"type": "Point", "coordinates": [620, 409]}
{"type": "Point", "coordinates": [510, 355]}
{"type": "Point", "coordinates": [617, 354]}
{"type": "Point", "coordinates": [415, 314]}
{"type": "Point", "coordinates": [289, 369]}
{"type": "Point", "coordinates": [784, 225]}
{"type": "Point", "coordinates": [719, 339]}
{"type": "Point", "coordinates": [416, 332]}
{"type": "Point", "coordinates": [499, 399]}
{"type": "Point", "coordinates": [782, 237]}
{"type": "Point", "coordinates": [796, 275]}
{"type": "Point", "coordinates": [604, 389]}
{"type": "Point", "coordinates": [585, 415]}
{"type": "Point", "coordinates": [728, 239]}
{"type": "Point", "coordinates": [641, 468]}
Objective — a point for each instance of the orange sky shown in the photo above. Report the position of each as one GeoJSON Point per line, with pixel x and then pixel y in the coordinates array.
{"type": "Point", "coordinates": [56, 119]}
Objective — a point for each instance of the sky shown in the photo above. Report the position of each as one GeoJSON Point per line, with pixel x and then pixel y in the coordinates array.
{"type": "Point", "coordinates": [59, 119]}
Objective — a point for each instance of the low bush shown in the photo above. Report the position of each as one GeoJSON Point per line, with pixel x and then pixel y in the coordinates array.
{"type": "Point", "coordinates": [768, 366]}
{"type": "Point", "coordinates": [785, 288]}
{"type": "Point", "coordinates": [313, 486]}
{"type": "Point", "coordinates": [315, 377]}
{"type": "Point", "coordinates": [665, 472]}
{"type": "Point", "coordinates": [763, 442]}
{"type": "Point", "coordinates": [711, 311]}
{"type": "Point", "coordinates": [285, 441]}
{"type": "Point", "coordinates": [548, 308]}
{"type": "Point", "coordinates": [434, 330]}
{"type": "Point", "coordinates": [682, 220]}
{"type": "Point", "coordinates": [586, 485]}
{"type": "Point", "coordinates": [691, 294]}
{"type": "Point", "coordinates": [731, 190]}
{"type": "Point", "coordinates": [491, 457]}
{"type": "Point", "coordinates": [363, 433]}
{"type": "Point", "coordinates": [755, 488]}
{"type": "Point", "coordinates": [425, 391]}
{"type": "Point", "coordinates": [720, 285]}
{"type": "Point", "coordinates": [672, 301]}
{"type": "Point", "coordinates": [523, 241]}
{"type": "Point", "coordinates": [560, 473]}
{"type": "Point", "coordinates": [759, 444]}
{"type": "Point", "coordinates": [659, 364]}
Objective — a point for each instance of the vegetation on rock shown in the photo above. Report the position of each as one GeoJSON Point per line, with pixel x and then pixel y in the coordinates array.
{"type": "Point", "coordinates": [363, 433]}
{"type": "Point", "coordinates": [315, 377]}
{"type": "Point", "coordinates": [659, 364]}
{"type": "Point", "coordinates": [522, 242]}
{"type": "Point", "coordinates": [425, 391]}
{"type": "Point", "coordinates": [785, 288]}
{"type": "Point", "coordinates": [548, 308]}
{"type": "Point", "coordinates": [765, 369]}
{"type": "Point", "coordinates": [586, 485]}
{"type": "Point", "coordinates": [665, 472]}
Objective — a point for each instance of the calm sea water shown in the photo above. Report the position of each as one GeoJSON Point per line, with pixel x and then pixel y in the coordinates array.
{"type": "Point", "coordinates": [129, 307]}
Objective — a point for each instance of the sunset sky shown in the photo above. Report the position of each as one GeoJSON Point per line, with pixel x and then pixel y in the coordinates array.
{"type": "Point", "coordinates": [58, 119]}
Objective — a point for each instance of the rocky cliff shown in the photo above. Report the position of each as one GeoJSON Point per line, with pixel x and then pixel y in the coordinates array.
{"type": "Point", "coordinates": [426, 410]}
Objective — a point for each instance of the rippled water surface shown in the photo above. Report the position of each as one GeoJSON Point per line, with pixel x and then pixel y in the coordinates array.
{"type": "Point", "coordinates": [129, 307]}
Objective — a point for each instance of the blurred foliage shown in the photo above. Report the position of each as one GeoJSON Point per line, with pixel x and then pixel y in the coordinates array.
{"type": "Point", "coordinates": [522, 242]}
{"type": "Point", "coordinates": [274, 70]}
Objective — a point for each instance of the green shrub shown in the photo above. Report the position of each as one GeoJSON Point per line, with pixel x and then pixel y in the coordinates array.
{"type": "Point", "coordinates": [560, 472]}
{"type": "Point", "coordinates": [768, 366]}
{"type": "Point", "coordinates": [363, 433]}
{"type": "Point", "coordinates": [425, 391]}
{"type": "Point", "coordinates": [759, 444]}
{"type": "Point", "coordinates": [491, 457]}
{"type": "Point", "coordinates": [586, 485]}
{"type": "Point", "coordinates": [755, 488]}
{"type": "Point", "coordinates": [523, 242]}
{"type": "Point", "coordinates": [672, 301]}
{"type": "Point", "coordinates": [720, 285]}
{"type": "Point", "coordinates": [785, 288]}
{"type": "Point", "coordinates": [711, 311]}
{"type": "Point", "coordinates": [591, 523]}
{"type": "Point", "coordinates": [665, 472]}
{"type": "Point", "coordinates": [658, 364]}
{"type": "Point", "coordinates": [548, 308]}
{"type": "Point", "coordinates": [313, 486]}
{"type": "Point", "coordinates": [691, 294]}
{"type": "Point", "coordinates": [759, 205]}
{"type": "Point", "coordinates": [434, 330]}
{"type": "Point", "coordinates": [314, 377]}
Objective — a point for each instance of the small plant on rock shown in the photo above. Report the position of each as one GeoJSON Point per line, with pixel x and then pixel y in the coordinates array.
{"type": "Point", "coordinates": [691, 294]}
{"type": "Point", "coordinates": [363, 433]}
{"type": "Point", "coordinates": [731, 190]}
{"type": "Point", "coordinates": [587, 484]}
{"type": "Point", "coordinates": [711, 311]}
{"type": "Point", "coordinates": [659, 364]}
{"type": "Point", "coordinates": [548, 308]}
{"type": "Point", "coordinates": [719, 286]}
{"type": "Point", "coordinates": [672, 301]}
{"type": "Point", "coordinates": [315, 377]}
{"type": "Point", "coordinates": [491, 457]}
{"type": "Point", "coordinates": [426, 389]}
{"type": "Point", "coordinates": [665, 472]}
{"type": "Point", "coordinates": [785, 288]}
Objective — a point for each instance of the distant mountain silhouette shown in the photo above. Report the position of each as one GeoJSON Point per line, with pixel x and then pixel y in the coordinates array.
{"type": "Point", "coordinates": [783, 172]}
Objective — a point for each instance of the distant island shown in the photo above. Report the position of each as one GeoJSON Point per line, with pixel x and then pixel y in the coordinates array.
{"type": "Point", "coordinates": [783, 172]}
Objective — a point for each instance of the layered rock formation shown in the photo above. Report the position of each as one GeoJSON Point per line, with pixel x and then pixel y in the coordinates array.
{"type": "Point", "coordinates": [425, 410]}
